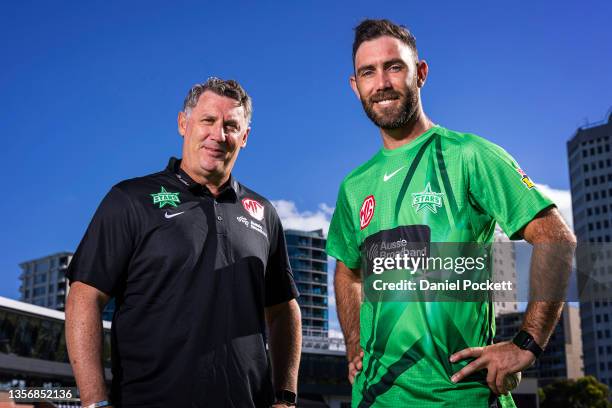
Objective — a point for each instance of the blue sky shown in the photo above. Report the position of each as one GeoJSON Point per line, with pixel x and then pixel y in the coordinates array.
{"type": "Point", "coordinates": [90, 93]}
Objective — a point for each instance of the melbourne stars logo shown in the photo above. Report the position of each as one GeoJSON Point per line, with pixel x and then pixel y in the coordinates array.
{"type": "Point", "coordinates": [427, 199]}
{"type": "Point", "coordinates": [164, 197]}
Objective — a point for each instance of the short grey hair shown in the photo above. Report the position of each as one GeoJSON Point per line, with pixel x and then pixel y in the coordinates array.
{"type": "Point", "coordinates": [221, 87]}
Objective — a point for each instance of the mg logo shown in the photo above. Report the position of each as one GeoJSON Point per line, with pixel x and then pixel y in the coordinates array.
{"type": "Point", "coordinates": [367, 211]}
{"type": "Point", "coordinates": [254, 208]}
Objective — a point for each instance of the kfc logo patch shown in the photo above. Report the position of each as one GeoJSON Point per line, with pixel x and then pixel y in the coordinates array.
{"type": "Point", "coordinates": [367, 211]}
{"type": "Point", "coordinates": [254, 208]}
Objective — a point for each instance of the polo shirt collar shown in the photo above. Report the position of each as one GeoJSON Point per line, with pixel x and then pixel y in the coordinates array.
{"type": "Point", "coordinates": [174, 167]}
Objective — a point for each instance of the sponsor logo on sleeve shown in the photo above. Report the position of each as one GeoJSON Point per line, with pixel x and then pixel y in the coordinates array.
{"type": "Point", "coordinates": [367, 211]}
{"type": "Point", "coordinates": [525, 179]}
{"type": "Point", "coordinates": [254, 208]}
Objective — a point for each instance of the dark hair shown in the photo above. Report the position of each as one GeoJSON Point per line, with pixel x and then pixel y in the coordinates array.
{"type": "Point", "coordinates": [371, 29]}
{"type": "Point", "coordinates": [222, 87]}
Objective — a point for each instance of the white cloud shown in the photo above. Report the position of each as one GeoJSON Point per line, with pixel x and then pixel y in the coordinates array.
{"type": "Point", "coordinates": [562, 198]}
{"type": "Point", "coordinates": [292, 218]}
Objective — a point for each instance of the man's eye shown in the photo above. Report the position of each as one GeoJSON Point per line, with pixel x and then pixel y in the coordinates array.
{"type": "Point", "coordinates": [367, 73]}
{"type": "Point", "coordinates": [395, 68]}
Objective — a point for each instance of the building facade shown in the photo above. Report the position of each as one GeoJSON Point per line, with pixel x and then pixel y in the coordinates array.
{"type": "Point", "coordinates": [589, 154]}
{"type": "Point", "coordinates": [309, 263]}
{"type": "Point", "coordinates": [43, 281]}
{"type": "Point", "coordinates": [504, 269]}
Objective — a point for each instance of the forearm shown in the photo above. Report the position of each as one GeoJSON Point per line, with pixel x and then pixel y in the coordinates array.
{"type": "Point", "coordinates": [285, 344]}
{"type": "Point", "coordinates": [347, 285]}
{"type": "Point", "coordinates": [549, 275]}
{"type": "Point", "coordinates": [84, 343]}
{"type": "Point", "coordinates": [551, 264]}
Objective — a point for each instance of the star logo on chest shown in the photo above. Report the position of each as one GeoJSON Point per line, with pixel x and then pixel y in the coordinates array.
{"type": "Point", "coordinates": [165, 198]}
{"type": "Point", "coordinates": [427, 199]}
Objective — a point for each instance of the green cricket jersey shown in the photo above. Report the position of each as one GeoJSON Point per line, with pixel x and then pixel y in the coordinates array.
{"type": "Point", "coordinates": [444, 186]}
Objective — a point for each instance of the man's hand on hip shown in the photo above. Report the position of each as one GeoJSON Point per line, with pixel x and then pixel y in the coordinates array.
{"type": "Point", "coordinates": [355, 366]}
{"type": "Point", "coordinates": [501, 359]}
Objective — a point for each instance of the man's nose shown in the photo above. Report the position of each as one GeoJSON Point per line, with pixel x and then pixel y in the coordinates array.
{"type": "Point", "coordinates": [218, 133]}
{"type": "Point", "coordinates": [383, 81]}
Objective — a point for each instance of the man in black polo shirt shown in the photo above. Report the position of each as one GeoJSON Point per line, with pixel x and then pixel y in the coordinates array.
{"type": "Point", "coordinates": [197, 264]}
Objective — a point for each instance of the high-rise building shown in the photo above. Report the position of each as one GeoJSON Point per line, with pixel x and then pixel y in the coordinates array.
{"type": "Point", "coordinates": [43, 281]}
{"type": "Point", "coordinates": [504, 269]}
{"type": "Point", "coordinates": [309, 263]}
{"type": "Point", "coordinates": [562, 357]}
{"type": "Point", "coordinates": [589, 154]}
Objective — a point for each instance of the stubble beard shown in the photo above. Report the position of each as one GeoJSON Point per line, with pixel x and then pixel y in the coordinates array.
{"type": "Point", "coordinates": [393, 118]}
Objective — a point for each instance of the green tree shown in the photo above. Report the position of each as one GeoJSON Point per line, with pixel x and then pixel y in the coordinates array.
{"type": "Point", "coordinates": [586, 392]}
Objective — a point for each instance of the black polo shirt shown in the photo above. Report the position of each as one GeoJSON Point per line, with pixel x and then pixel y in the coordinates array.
{"type": "Point", "coordinates": [191, 275]}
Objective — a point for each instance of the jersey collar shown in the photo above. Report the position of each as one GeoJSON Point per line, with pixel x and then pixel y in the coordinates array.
{"type": "Point", "coordinates": [174, 167]}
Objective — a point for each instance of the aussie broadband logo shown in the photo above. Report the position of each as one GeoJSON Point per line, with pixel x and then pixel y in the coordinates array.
{"type": "Point", "coordinates": [254, 208]}
{"type": "Point", "coordinates": [165, 198]}
{"type": "Point", "coordinates": [367, 211]}
{"type": "Point", "coordinates": [427, 199]}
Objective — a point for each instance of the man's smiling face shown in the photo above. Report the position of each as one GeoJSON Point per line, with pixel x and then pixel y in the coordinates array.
{"type": "Point", "coordinates": [386, 81]}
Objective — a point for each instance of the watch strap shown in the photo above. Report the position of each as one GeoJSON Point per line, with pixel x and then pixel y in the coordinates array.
{"type": "Point", "coordinates": [287, 397]}
{"type": "Point", "coordinates": [525, 341]}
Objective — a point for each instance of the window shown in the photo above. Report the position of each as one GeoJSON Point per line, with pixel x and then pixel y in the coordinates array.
{"type": "Point", "coordinates": [585, 153]}
{"type": "Point", "coordinates": [587, 182]}
{"type": "Point", "coordinates": [588, 196]}
{"type": "Point", "coordinates": [585, 168]}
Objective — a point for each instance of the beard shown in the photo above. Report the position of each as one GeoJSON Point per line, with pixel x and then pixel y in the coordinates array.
{"type": "Point", "coordinates": [392, 117]}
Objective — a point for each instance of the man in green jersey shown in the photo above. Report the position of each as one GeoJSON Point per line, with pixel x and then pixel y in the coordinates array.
{"type": "Point", "coordinates": [430, 184]}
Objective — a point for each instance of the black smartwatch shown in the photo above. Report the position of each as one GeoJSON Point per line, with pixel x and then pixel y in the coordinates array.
{"type": "Point", "coordinates": [525, 341]}
{"type": "Point", "coordinates": [286, 397]}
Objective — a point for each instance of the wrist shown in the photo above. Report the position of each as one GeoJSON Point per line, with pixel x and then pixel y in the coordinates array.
{"type": "Point", "coordinates": [286, 397]}
{"type": "Point", "coordinates": [98, 404]}
{"type": "Point", "coordinates": [525, 341]}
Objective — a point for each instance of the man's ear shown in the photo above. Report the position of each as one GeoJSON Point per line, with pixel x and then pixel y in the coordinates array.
{"type": "Point", "coordinates": [245, 137]}
{"type": "Point", "coordinates": [353, 83]}
{"type": "Point", "coordinates": [422, 72]}
{"type": "Point", "coordinates": [182, 123]}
